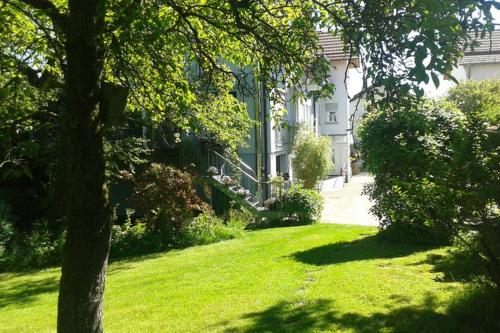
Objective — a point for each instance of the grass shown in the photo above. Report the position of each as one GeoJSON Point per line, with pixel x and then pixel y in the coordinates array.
{"type": "Point", "coordinates": [302, 279]}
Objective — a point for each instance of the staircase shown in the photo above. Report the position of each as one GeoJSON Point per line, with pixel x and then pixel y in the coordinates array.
{"type": "Point", "coordinates": [239, 182]}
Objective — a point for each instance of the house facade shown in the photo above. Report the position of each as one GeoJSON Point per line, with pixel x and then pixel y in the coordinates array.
{"type": "Point", "coordinates": [481, 63]}
{"type": "Point", "coordinates": [268, 150]}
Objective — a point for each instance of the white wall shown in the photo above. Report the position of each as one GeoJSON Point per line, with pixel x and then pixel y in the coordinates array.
{"type": "Point", "coordinates": [483, 71]}
{"type": "Point", "coordinates": [337, 131]}
{"type": "Point", "coordinates": [340, 98]}
{"type": "Point", "coordinates": [464, 72]}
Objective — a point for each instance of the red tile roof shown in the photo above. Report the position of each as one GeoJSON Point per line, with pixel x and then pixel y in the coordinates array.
{"type": "Point", "coordinates": [333, 48]}
{"type": "Point", "coordinates": [488, 50]}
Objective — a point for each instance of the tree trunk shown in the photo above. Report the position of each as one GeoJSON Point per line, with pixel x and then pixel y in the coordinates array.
{"type": "Point", "coordinates": [87, 213]}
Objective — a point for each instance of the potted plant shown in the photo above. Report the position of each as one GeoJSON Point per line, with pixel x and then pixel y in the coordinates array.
{"type": "Point", "coordinates": [226, 180]}
{"type": "Point", "coordinates": [212, 171]}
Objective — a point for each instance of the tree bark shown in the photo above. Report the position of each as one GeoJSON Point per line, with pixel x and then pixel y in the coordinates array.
{"type": "Point", "coordinates": [87, 213]}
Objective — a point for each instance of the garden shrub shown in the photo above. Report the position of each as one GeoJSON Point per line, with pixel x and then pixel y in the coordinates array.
{"type": "Point", "coordinates": [312, 158]}
{"type": "Point", "coordinates": [167, 199]}
{"type": "Point", "coordinates": [436, 167]}
{"type": "Point", "coordinates": [38, 248]}
{"type": "Point", "coordinates": [6, 227]}
{"type": "Point", "coordinates": [410, 233]}
{"type": "Point", "coordinates": [405, 149]}
{"type": "Point", "coordinates": [133, 239]}
{"type": "Point", "coordinates": [221, 203]}
{"type": "Point", "coordinates": [208, 228]}
{"type": "Point", "coordinates": [301, 205]}
{"type": "Point", "coordinates": [476, 308]}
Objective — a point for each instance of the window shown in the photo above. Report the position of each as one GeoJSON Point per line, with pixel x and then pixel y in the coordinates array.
{"type": "Point", "coordinates": [331, 112]}
{"type": "Point", "coordinates": [332, 117]}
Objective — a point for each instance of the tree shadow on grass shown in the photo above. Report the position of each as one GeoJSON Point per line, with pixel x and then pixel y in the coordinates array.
{"type": "Point", "coordinates": [321, 315]}
{"type": "Point", "coordinates": [20, 293]}
{"type": "Point", "coordinates": [455, 266]}
{"type": "Point", "coordinates": [371, 247]}
{"type": "Point", "coordinates": [125, 263]}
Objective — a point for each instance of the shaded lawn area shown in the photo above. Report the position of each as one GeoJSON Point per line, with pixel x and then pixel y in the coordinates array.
{"type": "Point", "coordinates": [303, 279]}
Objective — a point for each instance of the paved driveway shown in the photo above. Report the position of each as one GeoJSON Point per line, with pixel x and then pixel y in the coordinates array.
{"type": "Point", "coordinates": [346, 205]}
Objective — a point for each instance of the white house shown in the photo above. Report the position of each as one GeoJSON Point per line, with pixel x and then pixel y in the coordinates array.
{"type": "Point", "coordinates": [483, 62]}
{"type": "Point", "coordinates": [268, 150]}
{"type": "Point", "coordinates": [334, 112]}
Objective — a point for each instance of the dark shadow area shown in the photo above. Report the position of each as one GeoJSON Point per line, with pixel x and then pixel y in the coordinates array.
{"type": "Point", "coordinates": [456, 265]}
{"type": "Point", "coordinates": [19, 293]}
{"type": "Point", "coordinates": [371, 247]}
{"type": "Point", "coordinates": [27, 292]}
{"type": "Point", "coordinates": [124, 263]}
{"type": "Point", "coordinates": [119, 263]}
{"type": "Point", "coordinates": [321, 315]}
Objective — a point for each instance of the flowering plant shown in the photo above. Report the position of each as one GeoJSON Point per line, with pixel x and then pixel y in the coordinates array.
{"type": "Point", "coordinates": [212, 171]}
{"type": "Point", "coordinates": [242, 192]}
{"type": "Point", "coordinates": [226, 180]}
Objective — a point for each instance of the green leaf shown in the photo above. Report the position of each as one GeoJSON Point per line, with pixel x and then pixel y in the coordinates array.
{"type": "Point", "coordinates": [435, 79]}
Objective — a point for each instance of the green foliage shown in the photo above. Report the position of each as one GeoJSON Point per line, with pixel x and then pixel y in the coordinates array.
{"type": "Point", "coordinates": [6, 227]}
{"type": "Point", "coordinates": [167, 198]}
{"type": "Point", "coordinates": [36, 249]}
{"type": "Point", "coordinates": [181, 61]}
{"type": "Point", "coordinates": [436, 166]}
{"type": "Point", "coordinates": [414, 233]}
{"type": "Point", "coordinates": [123, 156]}
{"type": "Point", "coordinates": [477, 308]}
{"type": "Point", "coordinates": [478, 99]}
{"type": "Point", "coordinates": [136, 238]}
{"type": "Point", "coordinates": [312, 158]}
{"type": "Point", "coordinates": [132, 238]}
{"type": "Point", "coordinates": [302, 206]}
{"type": "Point", "coordinates": [221, 203]}
{"type": "Point", "coordinates": [428, 37]}
{"type": "Point", "coordinates": [405, 150]}
{"type": "Point", "coordinates": [208, 228]}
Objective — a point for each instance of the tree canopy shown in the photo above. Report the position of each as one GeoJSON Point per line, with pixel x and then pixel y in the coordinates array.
{"type": "Point", "coordinates": [174, 58]}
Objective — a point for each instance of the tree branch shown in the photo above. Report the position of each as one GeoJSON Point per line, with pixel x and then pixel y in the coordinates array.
{"type": "Point", "coordinates": [59, 19]}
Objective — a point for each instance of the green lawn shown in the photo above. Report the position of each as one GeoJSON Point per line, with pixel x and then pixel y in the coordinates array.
{"type": "Point", "coordinates": [311, 278]}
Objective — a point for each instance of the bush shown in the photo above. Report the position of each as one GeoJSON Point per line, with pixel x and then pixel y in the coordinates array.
{"type": "Point", "coordinates": [302, 206]}
{"type": "Point", "coordinates": [208, 228]}
{"type": "Point", "coordinates": [312, 158]}
{"type": "Point", "coordinates": [405, 150]}
{"type": "Point", "coordinates": [36, 249]}
{"type": "Point", "coordinates": [6, 227]}
{"type": "Point", "coordinates": [436, 167]}
{"type": "Point", "coordinates": [135, 238]}
{"type": "Point", "coordinates": [413, 234]}
{"type": "Point", "coordinates": [476, 309]}
{"type": "Point", "coordinates": [132, 239]}
{"type": "Point", "coordinates": [168, 200]}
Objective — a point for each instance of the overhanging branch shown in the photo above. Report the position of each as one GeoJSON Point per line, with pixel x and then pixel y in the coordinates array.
{"type": "Point", "coordinates": [49, 9]}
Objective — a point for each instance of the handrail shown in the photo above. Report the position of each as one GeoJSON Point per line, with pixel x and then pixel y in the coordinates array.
{"type": "Point", "coordinates": [243, 179]}
{"type": "Point", "coordinates": [247, 167]}
{"type": "Point", "coordinates": [234, 165]}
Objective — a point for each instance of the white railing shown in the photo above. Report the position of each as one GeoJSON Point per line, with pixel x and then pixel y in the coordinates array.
{"type": "Point", "coordinates": [239, 175]}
